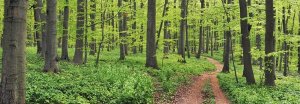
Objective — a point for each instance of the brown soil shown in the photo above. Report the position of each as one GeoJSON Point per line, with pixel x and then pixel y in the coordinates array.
{"type": "Point", "coordinates": [192, 94]}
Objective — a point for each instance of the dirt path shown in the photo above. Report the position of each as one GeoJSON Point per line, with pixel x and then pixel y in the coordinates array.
{"type": "Point", "coordinates": [192, 94]}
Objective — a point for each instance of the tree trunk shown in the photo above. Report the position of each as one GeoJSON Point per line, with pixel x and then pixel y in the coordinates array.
{"type": "Point", "coordinates": [269, 44]}
{"type": "Point", "coordinates": [134, 47]}
{"type": "Point", "coordinates": [207, 39]}
{"type": "Point", "coordinates": [121, 34]}
{"type": "Point", "coordinates": [161, 23]}
{"type": "Point", "coordinates": [85, 31]}
{"type": "Point", "coordinates": [187, 31]}
{"type": "Point", "coordinates": [247, 58]}
{"type": "Point", "coordinates": [113, 29]}
{"type": "Point", "coordinates": [12, 90]}
{"type": "Point", "coordinates": [102, 40]}
{"type": "Point", "coordinates": [44, 35]}
{"type": "Point", "coordinates": [258, 46]}
{"type": "Point", "coordinates": [64, 49]}
{"type": "Point", "coordinates": [200, 48]}
{"type": "Point", "coordinates": [226, 55]}
{"type": "Point", "coordinates": [212, 42]}
{"type": "Point", "coordinates": [124, 45]}
{"type": "Point", "coordinates": [151, 37]}
{"type": "Point", "coordinates": [181, 48]}
{"type": "Point", "coordinates": [285, 57]}
{"type": "Point", "coordinates": [175, 37]}
{"type": "Point", "coordinates": [78, 56]}
{"type": "Point", "coordinates": [125, 32]}
{"type": "Point", "coordinates": [166, 37]}
{"type": "Point", "coordinates": [216, 44]}
{"type": "Point", "coordinates": [93, 28]}
{"type": "Point", "coordinates": [59, 40]}
{"type": "Point", "coordinates": [166, 31]}
{"type": "Point", "coordinates": [51, 55]}
{"type": "Point", "coordinates": [37, 25]}
{"type": "Point", "coordinates": [299, 47]}
{"type": "Point", "coordinates": [141, 39]}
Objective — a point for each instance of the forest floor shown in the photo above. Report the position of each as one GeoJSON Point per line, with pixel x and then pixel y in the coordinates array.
{"type": "Point", "coordinates": [193, 93]}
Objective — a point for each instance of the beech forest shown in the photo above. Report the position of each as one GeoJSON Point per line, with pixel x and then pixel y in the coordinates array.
{"type": "Point", "coordinates": [150, 52]}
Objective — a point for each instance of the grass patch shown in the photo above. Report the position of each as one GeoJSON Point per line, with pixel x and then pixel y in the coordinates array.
{"type": "Point", "coordinates": [286, 91]}
{"type": "Point", "coordinates": [209, 97]}
{"type": "Point", "coordinates": [113, 82]}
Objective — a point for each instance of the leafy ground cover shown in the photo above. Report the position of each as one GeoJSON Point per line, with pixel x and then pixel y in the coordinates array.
{"type": "Point", "coordinates": [112, 82]}
{"type": "Point", "coordinates": [208, 94]}
{"type": "Point", "coordinates": [286, 91]}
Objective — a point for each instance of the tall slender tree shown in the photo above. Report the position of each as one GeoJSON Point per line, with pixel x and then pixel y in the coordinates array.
{"type": "Point", "coordinates": [51, 48]}
{"type": "Point", "coordinates": [285, 20]}
{"type": "Point", "coordinates": [85, 31]}
{"type": "Point", "coordinates": [44, 34]}
{"type": "Point", "coordinates": [270, 44]}
{"type": "Point", "coordinates": [161, 23]}
{"type": "Point", "coordinates": [166, 30]}
{"type": "Point", "coordinates": [64, 49]}
{"type": "Point", "coordinates": [200, 48]}
{"type": "Point", "coordinates": [37, 25]}
{"type": "Point", "coordinates": [151, 60]}
{"type": "Point", "coordinates": [246, 43]}
{"type": "Point", "coordinates": [141, 46]}
{"type": "Point", "coordinates": [121, 30]}
{"type": "Point", "coordinates": [78, 56]}
{"type": "Point", "coordinates": [181, 49]}
{"type": "Point", "coordinates": [93, 44]}
{"type": "Point", "coordinates": [299, 47]}
{"type": "Point", "coordinates": [134, 26]}
{"type": "Point", "coordinates": [187, 42]}
{"type": "Point", "coordinates": [12, 90]}
{"type": "Point", "coordinates": [226, 56]}
{"type": "Point", "coordinates": [258, 39]}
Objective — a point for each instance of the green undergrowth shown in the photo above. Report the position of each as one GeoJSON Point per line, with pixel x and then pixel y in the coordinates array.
{"type": "Point", "coordinates": [112, 82]}
{"type": "Point", "coordinates": [286, 91]}
{"type": "Point", "coordinates": [209, 97]}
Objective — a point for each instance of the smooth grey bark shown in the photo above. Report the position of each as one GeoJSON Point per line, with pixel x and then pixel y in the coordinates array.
{"type": "Point", "coordinates": [181, 48]}
{"type": "Point", "coordinates": [187, 44]}
{"type": "Point", "coordinates": [124, 36]}
{"type": "Point", "coordinates": [113, 40]}
{"type": "Point", "coordinates": [207, 39]}
{"type": "Point", "coordinates": [228, 36]}
{"type": "Point", "coordinates": [64, 49]}
{"type": "Point", "coordinates": [151, 60]}
{"type": "Point", "coordinates": [85, 31]}
{"type": "Point", "coordinates": [78, 56]}
{"type": "Point", "coordinates": [12, 89]}
{"type": "Point", "coordinates": [175, 37]}
{"type": "Point", "coordinates": [270, 44]}
{"type": "Point", "coordinates": [141, 46]}
{"type": "Point", "coordinates": [212, 42]}
{"type": "Point", "coordinates": [51, 48]}
{"type": "Point", "coordinates": [134, 25]}
{"type": "Point", "coordinates": [121, 30]}
{"type": "Point", "coordinates": [93, 45]}
{"type": "Point", "coordinates": [299, 47]}
{"type": "Point", "coordinates": [216, 37]}
{"type": "Point", "coordinates": [285, 44]}
{"type": "Point", "coordinates": [200, 45]}
{"type": "Point", "coordinates": [247, 57]}
{"type": "Point", "coordinates": [37, 25]}
{"type": "Point", "coordinates": [44, 34]}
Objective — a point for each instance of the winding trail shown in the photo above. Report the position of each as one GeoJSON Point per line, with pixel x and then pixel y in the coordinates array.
{"type": "Point", "coordinates": [192, 94]}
